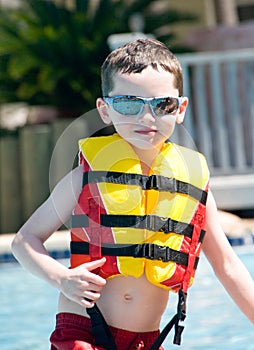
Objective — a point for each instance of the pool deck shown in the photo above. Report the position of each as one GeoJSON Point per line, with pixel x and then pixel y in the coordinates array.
{"type": "Point", "coordinates": [239, 232]}
{"type": "Point", "coordinates": [58, 246]}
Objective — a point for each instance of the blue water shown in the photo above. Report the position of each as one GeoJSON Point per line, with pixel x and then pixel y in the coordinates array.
{"type": "Point", "coordinates": [28, 306]}
{"type": "Point", "coordinates": [213, 321]}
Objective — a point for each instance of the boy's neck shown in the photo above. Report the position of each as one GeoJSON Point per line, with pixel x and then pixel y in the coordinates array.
{"type": "Point", "coordinates": [146, 157]}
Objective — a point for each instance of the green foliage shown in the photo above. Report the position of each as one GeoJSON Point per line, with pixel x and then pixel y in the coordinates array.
{"type": "Point", "coordinates": [51, 54]}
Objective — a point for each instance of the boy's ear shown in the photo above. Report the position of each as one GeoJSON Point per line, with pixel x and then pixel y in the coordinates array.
{"type": "Point", "coordinates": [102, 108]}
{"type": "Point", "coordinates": [181, 112]}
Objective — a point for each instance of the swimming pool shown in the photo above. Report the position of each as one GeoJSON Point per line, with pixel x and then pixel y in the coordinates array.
{"type": "Point", "coordinates": [28, 307]}
{"type": "Point", "coordinates": [213, 321]}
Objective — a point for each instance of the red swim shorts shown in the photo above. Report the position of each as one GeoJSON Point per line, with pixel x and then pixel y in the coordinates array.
{"type": "Point", "coordinates": [73, 332]}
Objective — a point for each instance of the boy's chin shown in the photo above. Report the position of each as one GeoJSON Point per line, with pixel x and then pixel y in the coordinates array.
{"type": "Point", "coordinates": [143, 144]}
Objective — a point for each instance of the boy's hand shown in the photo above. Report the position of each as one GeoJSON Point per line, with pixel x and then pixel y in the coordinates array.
{"type": "Point", "coordinates": [82, 285]}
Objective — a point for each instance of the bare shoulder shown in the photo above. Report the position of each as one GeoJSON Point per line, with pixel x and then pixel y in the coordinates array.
{"type": "Point", "coordinates": [70, 186]}
{"type": "Point", "coordinates": [65, 195]}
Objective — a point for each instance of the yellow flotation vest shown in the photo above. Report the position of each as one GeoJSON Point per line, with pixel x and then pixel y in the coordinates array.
{"type": "Point", "coordinates": [152, 224]}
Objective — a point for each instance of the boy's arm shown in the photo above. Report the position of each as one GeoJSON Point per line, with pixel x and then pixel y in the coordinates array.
{"type": "Point", "coordinates": [227, 266]}
{"type": "Point", "coordinates": [29, 250]}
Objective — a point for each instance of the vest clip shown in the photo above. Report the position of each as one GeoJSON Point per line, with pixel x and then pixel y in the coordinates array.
{"type": "Point", "coordinates": [161, 183]}
{"type": "Point", "coordinates": [155, 252]}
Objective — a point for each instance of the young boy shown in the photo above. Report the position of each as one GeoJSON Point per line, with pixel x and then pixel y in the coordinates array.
{"type": "Point", "coordinates": [138, 218]}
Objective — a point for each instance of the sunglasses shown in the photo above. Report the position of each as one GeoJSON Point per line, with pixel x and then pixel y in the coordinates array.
{"type": "Point", "coordinates": [134, 105]}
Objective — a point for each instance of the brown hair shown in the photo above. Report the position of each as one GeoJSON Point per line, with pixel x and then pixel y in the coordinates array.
{"type": "Point", "coordinates": [137, 55]}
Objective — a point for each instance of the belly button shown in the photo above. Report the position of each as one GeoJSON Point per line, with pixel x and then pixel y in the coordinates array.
{"type": "Point", "coordinates": [127, 297]}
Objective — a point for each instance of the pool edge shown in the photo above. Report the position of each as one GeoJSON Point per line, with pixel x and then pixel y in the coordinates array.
{"type": "Point", "coordinates": [58, 245]}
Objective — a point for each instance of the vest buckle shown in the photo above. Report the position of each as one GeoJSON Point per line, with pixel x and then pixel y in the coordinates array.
{"type": "Point", "coordinates": [162, 183]}
{"type": "Point", "coordinates": [153, 182]}
{"type": "Point", "coordinates": [166, 225]}
{"type": "Point", "coordinates": [169, 184]}
{"type": "Point", "coordinates": [155, 252]}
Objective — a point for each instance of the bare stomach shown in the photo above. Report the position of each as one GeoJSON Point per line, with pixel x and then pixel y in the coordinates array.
{"type": "Point", "coordinates": [128, 303]}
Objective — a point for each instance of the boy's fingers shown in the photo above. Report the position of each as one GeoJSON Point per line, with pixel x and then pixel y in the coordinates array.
{"type": "Point", "coordinates": [87, 303]}
{"type": "Point", "coordinates": [94, 264]}
{"type": "Point", "coordinates": [91, 267]}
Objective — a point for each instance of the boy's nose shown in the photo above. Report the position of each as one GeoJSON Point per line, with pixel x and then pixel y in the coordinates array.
{"type": "Point", "coordinates": [147, 113]}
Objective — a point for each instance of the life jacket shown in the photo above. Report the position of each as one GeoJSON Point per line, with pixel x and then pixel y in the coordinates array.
{"type": "Point", "coordinates": [152, 224]}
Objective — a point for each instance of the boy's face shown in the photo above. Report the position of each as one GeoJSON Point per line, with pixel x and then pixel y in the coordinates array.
{"type": "Point", "coordinates": [143, 131]}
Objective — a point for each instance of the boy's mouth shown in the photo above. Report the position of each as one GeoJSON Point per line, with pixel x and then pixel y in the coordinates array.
{"type": "Point", "coordinates": [146, 131]}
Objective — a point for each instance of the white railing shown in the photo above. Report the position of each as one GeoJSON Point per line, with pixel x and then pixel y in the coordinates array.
{"type": "Point", "coordinates": [220, 119]}
{"type": "Point", "coordinates": [220, 116]}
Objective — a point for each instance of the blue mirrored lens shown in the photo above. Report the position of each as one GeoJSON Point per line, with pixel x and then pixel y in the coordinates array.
{"type": "Point", "coordinates": [127, 106]}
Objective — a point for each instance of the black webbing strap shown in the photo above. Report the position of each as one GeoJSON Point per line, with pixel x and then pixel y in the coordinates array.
{"type": "Point", "coordinates": [150, 222]}
{"type": "Point", "coordinates": [179, 316]}
{"type": "Point", "coordinates": [149, 251]}
{"type": "Point", "coordinates": [153, 182]}
{"type": "Point", "coordinates": [100, 329]}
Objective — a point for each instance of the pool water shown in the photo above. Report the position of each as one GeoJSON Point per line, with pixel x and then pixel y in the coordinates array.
{"type": "Point", "coordinates": [28, 308]}
{"type": "Point", "coordinates": [213, 320]}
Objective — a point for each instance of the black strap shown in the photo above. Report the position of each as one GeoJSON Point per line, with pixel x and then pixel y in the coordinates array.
{"type": "Point", "coordinates": [149, 251]}
{"type": "Point", "coordinates": [162, 336]}
{"type": "Point", "coordinates": [100, 329]}
{"type": "Point", "coordinates": [179, 316]}
{"type": "Point", "coordinates": [153, 182]}
{"type": "Point", "coordinates": [150, 222]}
